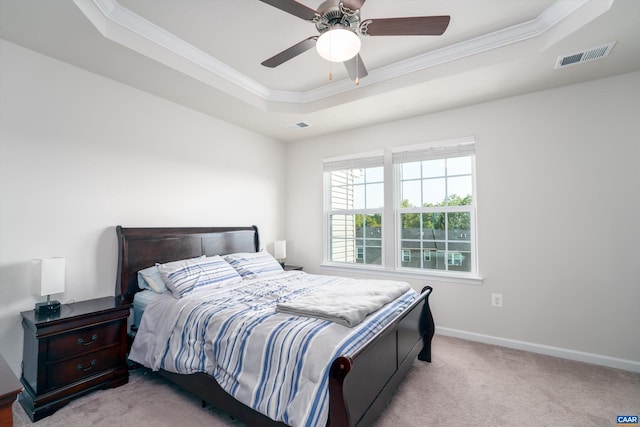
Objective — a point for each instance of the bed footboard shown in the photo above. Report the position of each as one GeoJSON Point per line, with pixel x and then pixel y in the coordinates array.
{"type": "Point", "coordinates": [360, 386]}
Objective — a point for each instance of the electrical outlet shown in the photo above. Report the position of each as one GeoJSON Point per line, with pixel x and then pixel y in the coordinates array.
{"type": "Point", "coordinates": [496, 300]}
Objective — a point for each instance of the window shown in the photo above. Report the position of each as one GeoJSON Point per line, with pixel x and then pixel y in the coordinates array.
{"type": "Point", "coordinates": [355, 204]}
{"type": "Point", "coordinates": [432, 207]}
{"type": "Point", "coordinates": [435, 207]}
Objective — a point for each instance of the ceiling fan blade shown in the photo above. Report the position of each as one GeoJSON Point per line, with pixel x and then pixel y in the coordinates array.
{"type": "Point", "coordinates": [353, 4]}
{"type": "Point", "coordinates": [290, 53]}
{"type": "Point", "coordinates": [355, 67]}
{"type": "Point", "coordinates": [411, 26]}
{"type": "Point", "coordinates": [294, 8]}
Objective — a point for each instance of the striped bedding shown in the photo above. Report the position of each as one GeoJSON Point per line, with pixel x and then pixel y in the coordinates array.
{"type": "Point", "coordinates": [276, 363]}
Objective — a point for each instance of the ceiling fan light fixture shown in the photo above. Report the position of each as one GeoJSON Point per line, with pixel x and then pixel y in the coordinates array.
{"type": "Point", "coordinates": [338, 44]}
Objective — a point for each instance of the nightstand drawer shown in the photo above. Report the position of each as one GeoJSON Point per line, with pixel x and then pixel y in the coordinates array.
{"type": "Point", "coordinates": [65, 373]}
{"type": "Point", "coordinates": [83, 340]}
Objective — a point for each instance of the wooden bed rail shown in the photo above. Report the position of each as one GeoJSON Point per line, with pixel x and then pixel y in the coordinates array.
{"type": "Point", "coordinates": [401, 342]}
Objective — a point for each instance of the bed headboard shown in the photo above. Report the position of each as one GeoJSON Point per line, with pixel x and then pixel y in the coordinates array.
{"type": "Point", "coordinates": [139, 248]}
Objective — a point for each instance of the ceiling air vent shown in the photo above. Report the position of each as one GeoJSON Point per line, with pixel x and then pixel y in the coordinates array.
{"type": "Point", "coordinates": [299, 125]}
{"type": "Point", "coordinates": [584, 55]}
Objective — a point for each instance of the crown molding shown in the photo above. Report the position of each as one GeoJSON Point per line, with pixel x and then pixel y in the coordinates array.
{"type": "Point", "coordinates": [124, 27]}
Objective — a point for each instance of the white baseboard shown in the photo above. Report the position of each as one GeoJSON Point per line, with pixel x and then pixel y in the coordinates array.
{"type": "Point", "coordinates": [596, 359]}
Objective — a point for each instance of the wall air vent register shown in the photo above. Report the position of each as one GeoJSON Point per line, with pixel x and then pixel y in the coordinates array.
{"type": "Point", "coordinates": [585, 55]}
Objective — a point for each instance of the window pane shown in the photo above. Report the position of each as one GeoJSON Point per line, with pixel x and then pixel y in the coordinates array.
{"type": "Point", "coordinates": [410, 226]}
{"type": "Point", "coordinates": [433, 168]}
{"type": "Point", "coordinates": [434, 192]}
{"type": "Point", "coordinates": [411, 170]}
{"type": "Point", "coordinates": [459, 226]}
{"type": "Point", "coordinates": [410, 254]}
{"type": "Point", "coordinates": [459, 166]}
{"type": "Point", "coordinates": [411, 197]}
{"type": "Point", "coordinates": [357, 176]}
{"type": "Point", "coordinates": [459, 257]}
{"type": "Point", "coordinates": [433, 226]}
{"type": "Point", "coordinates": [375, 196]}
{"type": "Point", "coordinates": [339, 198]}
{"type": "Point", "coordinates": [374, 174]}
{"type": "Point", "coordinates": [462, 187]}
{"type": "Point", "coordinates": [358, 197]}
{"type": "Point", "coordinates": [373, 255]}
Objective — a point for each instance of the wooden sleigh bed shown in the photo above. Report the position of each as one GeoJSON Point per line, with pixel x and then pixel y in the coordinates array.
{"type": "Point", "coordinates": [360, 386]}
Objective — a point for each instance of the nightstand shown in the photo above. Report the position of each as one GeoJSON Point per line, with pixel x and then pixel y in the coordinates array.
{"type": "Point", "coordinates": [288, 267]}
{"type": "Point", "coordinates": [80, 350]}
{"type": "Point", "coordinates": [9, 389]}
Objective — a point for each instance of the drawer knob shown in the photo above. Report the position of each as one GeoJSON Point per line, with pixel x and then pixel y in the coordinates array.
{"type": "Point", "coordinates": [80, 366]}
{"type": "Point", "coordinates": [94, 338]}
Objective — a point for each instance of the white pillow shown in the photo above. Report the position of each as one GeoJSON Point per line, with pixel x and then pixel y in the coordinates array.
{"type": "Point", "coordinates": [253, 265]}
{"type": "Point", "coordinates": [150, 278]}
{"type": "Point", "coordinates": [185, 276]}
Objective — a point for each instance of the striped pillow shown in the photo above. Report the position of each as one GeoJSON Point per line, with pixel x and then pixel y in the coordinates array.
{"type": "Point", "coordinates": [253, 265]}
{"type": "Point", "coordinates": [184, 277]}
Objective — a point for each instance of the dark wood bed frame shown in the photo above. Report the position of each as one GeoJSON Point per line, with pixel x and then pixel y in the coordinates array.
{"type": "Point", "coordinates": [360, 386]}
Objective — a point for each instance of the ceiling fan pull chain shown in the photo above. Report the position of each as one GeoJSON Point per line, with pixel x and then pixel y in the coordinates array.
{"type": "Point", "coordinates": [357, 73]}
{"type": "Point", "coordinates": [330, 70]}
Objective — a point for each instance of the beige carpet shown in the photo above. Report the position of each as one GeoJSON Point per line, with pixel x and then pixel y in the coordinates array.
{"type": "Point", "coordinates": [468, 384]}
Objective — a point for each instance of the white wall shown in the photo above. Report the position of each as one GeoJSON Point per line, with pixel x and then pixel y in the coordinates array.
{"type": "Point", "coordinates": [558, 211]}
{"type": "Point", "coordinates": [80, 154]}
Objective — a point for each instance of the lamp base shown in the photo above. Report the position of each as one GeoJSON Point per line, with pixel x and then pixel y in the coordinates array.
{"type": "Point", "coordinates": [49, 308]}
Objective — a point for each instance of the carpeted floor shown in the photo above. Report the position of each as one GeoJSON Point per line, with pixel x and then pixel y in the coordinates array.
{"type": "Point", "coordinates": [468, 384]}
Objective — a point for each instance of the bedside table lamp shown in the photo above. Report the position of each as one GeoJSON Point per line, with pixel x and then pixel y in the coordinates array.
{"type": "Point", "coordinates": [280, 251]}
{"type": "Point", "coordinates": [48, 278]}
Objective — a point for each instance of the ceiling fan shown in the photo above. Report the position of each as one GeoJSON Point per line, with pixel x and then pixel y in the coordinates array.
{"type": "Point", "coordinates": [340, 25]}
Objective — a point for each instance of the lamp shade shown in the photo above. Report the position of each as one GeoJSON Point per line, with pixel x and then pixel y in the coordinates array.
{"type": "Point", "coordinates": [280, 249]}
{"type": "Point", "coordinates": [48, 276]}
{"type": "Point", "coordinates": [338, 44]}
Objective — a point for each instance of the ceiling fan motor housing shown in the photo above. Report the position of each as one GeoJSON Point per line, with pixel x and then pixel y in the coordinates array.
{"type": "Point", "coordinates": [332, 13]}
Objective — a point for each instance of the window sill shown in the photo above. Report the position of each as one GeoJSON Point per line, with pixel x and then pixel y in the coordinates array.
{"type": "Point", "coordinates": [466, 279]}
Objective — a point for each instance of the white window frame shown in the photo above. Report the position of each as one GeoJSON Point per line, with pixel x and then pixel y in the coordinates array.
{"type": "Point", "coordinates": [365, 160]}
{"type": "Point", "coordinates": [429, 151]}
{"type": "Point", "coordinates": [390, 217]}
